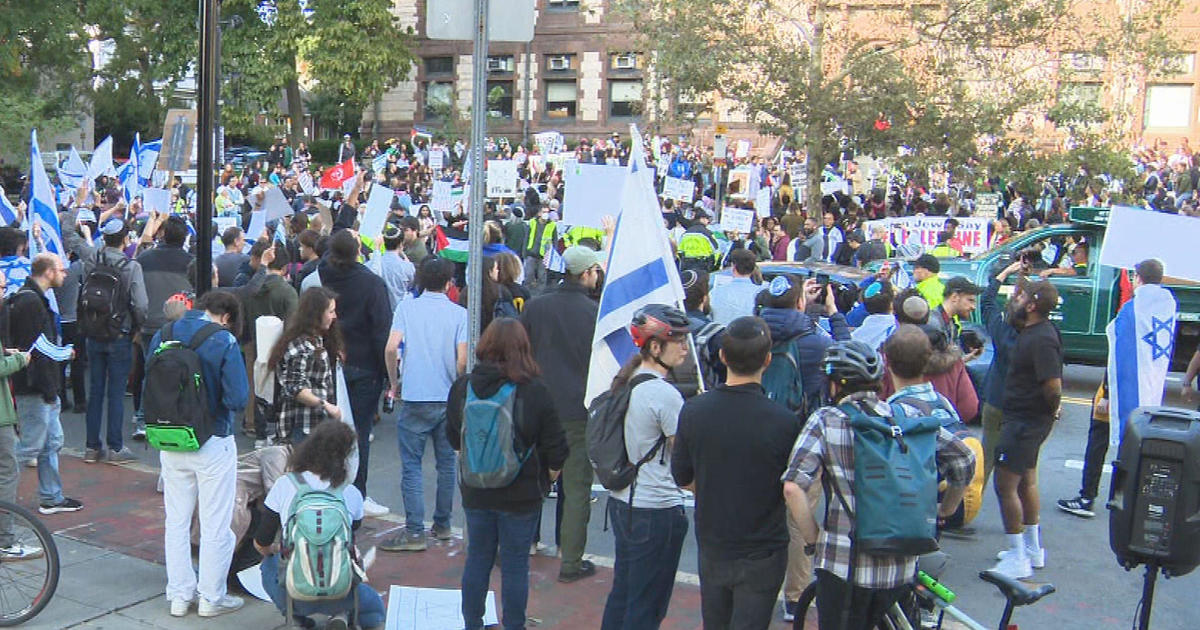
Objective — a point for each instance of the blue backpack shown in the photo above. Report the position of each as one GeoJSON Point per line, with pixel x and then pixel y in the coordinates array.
{"type": "Point", "coordinates": [895, 482]}
{"type": "Point", "coordinates": [782, 380]}
{"type": "Point", "coordinates": [491, 455]}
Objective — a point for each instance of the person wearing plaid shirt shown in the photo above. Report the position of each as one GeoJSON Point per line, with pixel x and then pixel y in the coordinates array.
{"type": "Point", "coordinates": [303, 359]}
{"type": "Point", "coordinates": [826, 447]}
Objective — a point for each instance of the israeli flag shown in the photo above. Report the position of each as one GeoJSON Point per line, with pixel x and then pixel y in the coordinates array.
{"type": "Point", "coordinates": [1141, 339]}
{"type": "Point", "coordinates": [72, 171]}
{"type": "Point", "coordinates": [127, 175]}
{"type": "Point", "coordinates": [102, 162]}
{"type": "Point", "coordinates": [147, 157]}
{"type": "Point", "coordinates": [641, 270]}
{"type": "Point", "coordinates": [42, 208]}
{"type": "Point", "coordinates": [8, 213]}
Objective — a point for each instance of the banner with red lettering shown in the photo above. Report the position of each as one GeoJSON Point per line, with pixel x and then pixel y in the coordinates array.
{"type": "Point", "coordinates": [972, 232]}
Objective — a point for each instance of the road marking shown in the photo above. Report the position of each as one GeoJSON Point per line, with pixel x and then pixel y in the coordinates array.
{"type": "Point", "coordinates": [681, 577]}
{"type": "Point", "coordinates": [67, 529]}
{"type": "Point", "coordinates": [1077, 464]}
{"type": "Point", "coordinates": [1071, 400]}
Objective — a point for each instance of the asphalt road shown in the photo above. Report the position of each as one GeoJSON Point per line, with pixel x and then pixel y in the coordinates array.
{"type": "Point", "coordinates": [1093, 591]}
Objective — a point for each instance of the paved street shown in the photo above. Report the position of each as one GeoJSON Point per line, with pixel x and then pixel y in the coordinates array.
{"type": "Point", "coordinates": [112, 576]}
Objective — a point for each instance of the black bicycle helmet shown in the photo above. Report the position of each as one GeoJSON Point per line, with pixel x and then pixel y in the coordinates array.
{"type": "Point", "coordinates": [850, 363]}
{"type": "Point", "coordinates": [657, 321]}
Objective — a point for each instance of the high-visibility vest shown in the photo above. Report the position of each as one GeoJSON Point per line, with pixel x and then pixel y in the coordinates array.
{"type": "Point", "coordinates": [695, 245]}
{"type": "Point", "coordinates": [580, 232]}
{"type": "Point", "coordinates": [548, 231]}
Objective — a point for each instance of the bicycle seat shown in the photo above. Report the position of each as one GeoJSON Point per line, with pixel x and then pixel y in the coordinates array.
{"type": "Point", "coordinates": [1016, 591]}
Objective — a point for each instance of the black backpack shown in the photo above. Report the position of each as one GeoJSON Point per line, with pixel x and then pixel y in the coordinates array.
{"type": "Point", "coordinates": [606, 438]}
{"type": "Point", "coordinates": [175, 396]}
{"type": "Point", "coordinates": [103, 300]}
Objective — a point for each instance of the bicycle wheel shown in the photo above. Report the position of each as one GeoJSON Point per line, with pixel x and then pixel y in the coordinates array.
{"type": "Point", "coordinates": [890, 621]}
{"type": "Point", "coordinates": [28, 565]}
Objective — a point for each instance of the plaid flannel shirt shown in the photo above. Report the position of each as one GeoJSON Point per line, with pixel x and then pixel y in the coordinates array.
{"type": "Point", "coordinates": [305, 365]}
{"type": "Point", "coordinates": [827, 441]}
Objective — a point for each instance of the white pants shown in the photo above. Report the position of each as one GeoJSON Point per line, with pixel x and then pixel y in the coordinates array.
{"type": "Point", "coordinates": [209, 475]}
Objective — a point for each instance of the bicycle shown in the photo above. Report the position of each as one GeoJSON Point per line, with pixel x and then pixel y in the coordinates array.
{"type": "Point", "coordinates": [28, 565]}
{"type": "Point", "coordinates": [931, 596]}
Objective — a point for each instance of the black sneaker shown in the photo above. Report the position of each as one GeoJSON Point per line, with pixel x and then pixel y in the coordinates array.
{"type": "Point", "coordinates": [1079, 506]}
{"type": "Point", "coordinates": [66, 505]}
{"type": "Point", "coordinates": [586, 569]}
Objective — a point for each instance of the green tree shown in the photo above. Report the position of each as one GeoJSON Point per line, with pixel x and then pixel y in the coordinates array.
{"type": "Point", "coordinates": [960, 84]}
{"type": "Point", "coordinates": [354, 48]}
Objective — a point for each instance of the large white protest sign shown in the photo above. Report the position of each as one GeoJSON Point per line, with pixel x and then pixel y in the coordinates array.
{"type": "Point", "coordinates": [549, 142]}
{"type": "Point", "coordinates": [258, 225]}
{"type": "Point", "coordinates": [987, 205]}
{"type": "Point", "coordinates": [276, 204]}
{"type": "Point", "coordinates": [306, 183]}
{"type": "Point", "coordinates": [737, 220]}
{"type": "Point", "coordinates": [762, 202]}
{"type": "Point", "coordinates": [501, 178]}
{"type": "Point", "coordinates": [156, 200]}
{"type": "Point", "coordinates": [592, 191]}
{"type": "Point", "coordinates": [679, 189]}
{"type": "Point", "coordinates": [379, 203]}
{"type": "Point", "coordinates": [437, 159]}
{"type": "Point", "coordinates": [741, 149]}
{"type": "Point", "coordinates": [1135, 235]}
{"type": "Point", "coordinates": [441, 201]}
{"type": "Point", "coordinates": [432, 608]}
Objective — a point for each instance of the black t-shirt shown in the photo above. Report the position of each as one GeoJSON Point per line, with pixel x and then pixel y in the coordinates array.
{"type": "Point", "coordinates": [734, 443]}
{"type": "Point", "coordinates": [1036, 357]}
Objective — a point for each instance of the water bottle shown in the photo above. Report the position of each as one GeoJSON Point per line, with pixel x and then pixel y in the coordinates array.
{"type": "Point", "coordinates": [389, 402]}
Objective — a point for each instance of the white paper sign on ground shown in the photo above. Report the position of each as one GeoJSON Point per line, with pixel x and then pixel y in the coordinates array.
{"type": "Point", "coordinates": [738, 220]}
{"type": "Point", "coordinates": [442, 202]}
{"type": "Point", "coordinates": [679, 189]}
{"type": "Point", "coordinates": [379, 203]}
{"type": "Point", "coordinates": [1135, 235]}
{"type": "Point", "coordinates": [156, 199]}
{"type": "Point", "coordinates": [432, 609]}
{"type": "Point", "coordinates": [762, 202]}
{"type": "Point", "coordinates": [251, 579]}
{"type": "Point", "coordinates": [593, 191]}
{"type": "Point", "coordinates": [275, 204]}
{"type": "Point", "coordinates": [502, 178]}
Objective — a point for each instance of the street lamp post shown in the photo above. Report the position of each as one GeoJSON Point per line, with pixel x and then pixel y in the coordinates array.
{"type": "Point", "coordinates": [206, 110]}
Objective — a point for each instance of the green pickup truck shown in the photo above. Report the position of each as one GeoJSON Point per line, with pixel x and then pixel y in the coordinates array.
{"type": "Point", "coordinates": [1088, 301]}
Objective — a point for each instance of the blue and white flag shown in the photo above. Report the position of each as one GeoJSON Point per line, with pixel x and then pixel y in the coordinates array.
{"type": "Point", "coordinates": [102, 162]}
{"type": "Point", "coordinates": [8, 213]}
{"type": "Point", "coordinates": [128, 176]}
{"type": "Point", "coordinates": [72, 171]}
{"type": "Point", "coordinates": [1141, 339]}
{"type": "Point", "coordinates": [379, 163]}
{"type": "Point", "coordinates": [641, 270]}
{"type": "Point", "coordinates": [147, 157]}
{"type": "Point", "coordinates": [42, 208]}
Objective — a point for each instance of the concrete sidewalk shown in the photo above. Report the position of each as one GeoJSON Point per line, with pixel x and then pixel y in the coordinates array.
{"type": "Point", "coordinates": [112, 574]}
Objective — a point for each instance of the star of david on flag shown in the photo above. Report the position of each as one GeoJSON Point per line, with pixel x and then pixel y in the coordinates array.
{"type": "Point", "coordinates": [1141, 339]}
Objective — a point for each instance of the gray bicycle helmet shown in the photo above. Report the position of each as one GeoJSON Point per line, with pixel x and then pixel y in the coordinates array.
{"type": "Point", "coordinates": [850, 363]}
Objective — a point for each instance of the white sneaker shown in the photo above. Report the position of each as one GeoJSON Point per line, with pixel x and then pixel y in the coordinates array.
{"type": "Point", "coordinates": [179, 607]}
{"type": "Point", "coordinates": [371, 508]}
{"type": "Point", "coordinates": [227, 604]}
{"type": "Point", "coordinates": [1014, 567]}
{"type": "Point", "coordinates": [19, 551]}
{"type": "Point", "coordinates": [264, 443]}
{"type": "Point", "coordinates": [1037, 559]}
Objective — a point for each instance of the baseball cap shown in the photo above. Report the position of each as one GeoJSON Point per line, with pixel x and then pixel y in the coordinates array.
{"type": "Point", "coordinates": [927, 262]}
{"type": "Point", "coordinates": [959, 284]}
{"type": "Point", "coordinates": [112, 226]}
{"type": "Point", "coordinates": [579, 259]}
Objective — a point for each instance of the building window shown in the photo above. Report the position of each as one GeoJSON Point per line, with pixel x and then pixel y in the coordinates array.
{"type": "Point", "coordinates": [624, 99]}
{"type": "Point", "coordinates": [1168, 106]}
{"type": "Point", "coordinates": [1179, 64]}
{"type": "Point", "coordinates": [439, 65]}
{"type": "Point", "coordinates": [1085, 62]}
{"type": "Point", "coordinates": [501, 64]}
{"type": "Point", "coordinates": [500, 99]}
{"type": "Point", "coordinates": [624, 61]}
{"type": "Point", "coordinates": [692, 107]}
{"type": "Point", "coordinates": [560, 63]}
{"type": "Point", "coordinates": [571, 5]}
{"type": "Point", "coordinates": [561, 99]}
{"type": "Point", "coordinates": [1081, 94]}
{"type": "Point", "coordinates": [439, 99]}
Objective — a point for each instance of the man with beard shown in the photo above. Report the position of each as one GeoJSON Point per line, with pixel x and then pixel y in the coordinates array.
{"type": "Point", "coordinates": [810, 245]}
{"type": "Point", "coordinates": [1032, 398]}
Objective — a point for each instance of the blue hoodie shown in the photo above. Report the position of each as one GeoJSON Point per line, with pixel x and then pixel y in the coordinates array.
{"type": "Point", "coordinates": [788, 324]}
{"type": "Point", "coordinates": [223, 365]}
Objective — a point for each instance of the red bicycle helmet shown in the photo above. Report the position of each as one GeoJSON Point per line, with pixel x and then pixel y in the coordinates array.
{"type": "Point", "coordinates": [657, 321]}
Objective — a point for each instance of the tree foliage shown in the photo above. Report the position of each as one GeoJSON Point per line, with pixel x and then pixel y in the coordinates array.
{"type": "Point", "coordinates": [963, 85]}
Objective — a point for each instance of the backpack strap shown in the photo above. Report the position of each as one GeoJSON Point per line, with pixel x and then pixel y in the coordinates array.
{"type": "Point", "coordinates": [925, 407]}
{"type": "Point", "coordinates": [203, 334]}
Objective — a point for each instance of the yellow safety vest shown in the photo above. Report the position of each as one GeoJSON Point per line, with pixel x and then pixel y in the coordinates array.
{"type": "Point", "coordinates": [547, 237]}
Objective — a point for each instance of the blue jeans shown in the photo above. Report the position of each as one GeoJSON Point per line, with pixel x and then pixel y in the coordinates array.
{"type": "Point", "coordinates": [364, 388]}
{"type": "Point", "coordinates": [41, 439]}
{"type": "Point", "coordinates": [419, 421]}
{"type": "Point", "coordinates": [648, 544]}
{"type": "Point", "coordinates": [109, 363]}
{"type": "Point", "coordinates": [512, 534]}
{"type": "Point", "coordinates": [370, 604]}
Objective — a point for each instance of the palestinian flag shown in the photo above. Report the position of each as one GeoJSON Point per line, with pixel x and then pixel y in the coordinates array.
{"type": "Point", "coordinates": [418, 133]}
{"type": "Point", "coordinates": [452, 244]}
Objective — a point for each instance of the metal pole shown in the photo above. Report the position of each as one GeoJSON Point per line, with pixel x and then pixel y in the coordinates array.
{"type": "Point", "coordinates": [478, 184]}
{"type": "Point", "coordinates": [525, 118]}
{"type": "Point", "coordinates": [207, 104]}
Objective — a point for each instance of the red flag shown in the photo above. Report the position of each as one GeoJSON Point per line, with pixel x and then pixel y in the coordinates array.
{"type": "Point", "coordinates": [333, 178]}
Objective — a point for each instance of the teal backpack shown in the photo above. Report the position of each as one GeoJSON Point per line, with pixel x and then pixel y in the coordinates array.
{"type": "Point", "coordinates": [318, 544]}
{"type": "Point", "coordinates": [782, 379]}
{"type": "Point", "coordinates": [491, 456]}
{"type": "Point", "coordinates": [895, 482]}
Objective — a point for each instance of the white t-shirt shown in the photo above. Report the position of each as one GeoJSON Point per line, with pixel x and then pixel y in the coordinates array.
{"type": "Point", "coordinates": [653, 412]}
{"type": "Point", "coordinates": [280, 497]}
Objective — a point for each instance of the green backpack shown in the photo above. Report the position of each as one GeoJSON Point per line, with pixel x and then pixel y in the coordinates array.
{"type": "Point", "coordinates": [318, 544]}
